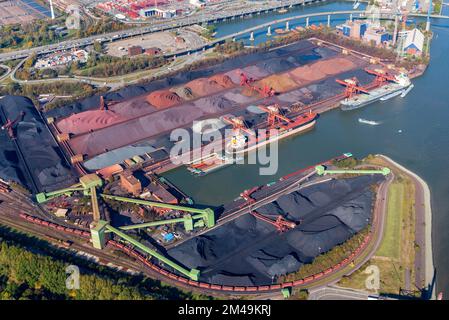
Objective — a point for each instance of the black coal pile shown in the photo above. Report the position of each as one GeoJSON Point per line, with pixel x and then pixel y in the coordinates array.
{"type": "Point", "coordinates": [34, 144]}
{"type": "Point", "coordinates": [249, 251]}
{"type": "Point", "coordinates": [10, 167]}
{"type": "Point", "coordinates": [278, 65]}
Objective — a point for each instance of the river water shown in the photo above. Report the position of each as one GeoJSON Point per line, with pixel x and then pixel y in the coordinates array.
{"type": "Point", "coordinates": [413, 131]}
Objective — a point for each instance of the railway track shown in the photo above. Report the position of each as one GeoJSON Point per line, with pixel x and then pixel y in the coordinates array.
{"type": "Point", "coordinates": [327, 276]}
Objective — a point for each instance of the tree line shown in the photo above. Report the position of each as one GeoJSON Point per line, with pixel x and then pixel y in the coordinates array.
{"type": "Point", "coordinates": [39, 273]}
{"type": "Point", "coordinates": [40, 32]}
{"type": "Point", "coordinates": [108, 66]}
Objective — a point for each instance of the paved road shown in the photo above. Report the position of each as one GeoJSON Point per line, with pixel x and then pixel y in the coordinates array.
{"type": "Point", "coordinates": [174, 23]}
{"type": "Point", "coordinates": [424, 268]}
{"type": "Point", "coordinates": [336, 293]}
{"type": "Point", "coordinates": [9, 216]}
{"type": "Point", "coordinates": [4, 75]}
{"type": "Point", "coordinates": [113, 82]}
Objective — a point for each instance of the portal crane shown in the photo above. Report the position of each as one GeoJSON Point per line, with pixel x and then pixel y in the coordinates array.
{"type": "Point", "coordinates": [280, 223]}
{"type": "Point", "coordinates": [382, 76]}
{"type": "Point", "coordinates": [352, 87]}
{"type": "Point", "coordinates": [9, 125]}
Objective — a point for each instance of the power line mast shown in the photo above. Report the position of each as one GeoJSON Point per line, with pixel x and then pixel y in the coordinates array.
{"type": "Point", "coordinates": [428, 15]}
{"type": "Point", "coordinates": [52, 10]}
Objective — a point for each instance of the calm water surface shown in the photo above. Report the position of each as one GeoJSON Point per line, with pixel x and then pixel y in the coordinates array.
{"type": "Point", "coordinates": [414, 131]}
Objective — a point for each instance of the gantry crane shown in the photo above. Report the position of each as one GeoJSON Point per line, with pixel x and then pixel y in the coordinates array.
{"type": "Point", "coordinates": [238, 125]}
{"type": "Point", "coordinates": [280, 223]}
{"type": "Point", "coordinates": [352, 87]}
{"type": "Point", "coordinates": [9, 125]}
{"type": "Point", "coordinates": [274, 115]}
{"type": "Point", "coordinates": [382, 76]}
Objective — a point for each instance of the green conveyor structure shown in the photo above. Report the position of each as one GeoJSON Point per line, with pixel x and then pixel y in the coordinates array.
{"type": "Point", "coordinates": [86, 184]}
{"type": "Point", "coordinates": [322, 170]}
{"type": "Point", "coordinates": [98, 240]}
{"type": "Point", "coordinates": [206, 215]}
{"type": "Point", "coordinates": [46, 196]}
{"type": "Point", "coordinates": [195, 218]}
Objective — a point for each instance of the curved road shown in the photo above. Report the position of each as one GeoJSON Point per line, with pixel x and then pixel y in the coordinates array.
{"type": "Point", "coordinates": [172, 24]}
{"type": "Point", "coordinates": [4, 75]}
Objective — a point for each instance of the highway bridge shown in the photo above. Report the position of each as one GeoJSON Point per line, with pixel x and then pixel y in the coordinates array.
{"type": "Point", "coordinates": [359, 14]}
{"type": "Point", "coordinates": [169, 25]}
{"type": "Point", "coordinates": [186, 21]}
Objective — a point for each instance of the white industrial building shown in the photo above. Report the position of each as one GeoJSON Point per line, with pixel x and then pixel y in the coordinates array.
{"type": "Point", "coordinates": [414, 42]}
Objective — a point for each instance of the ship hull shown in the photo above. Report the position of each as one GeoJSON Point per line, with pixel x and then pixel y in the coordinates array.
{"type": "Point", "coordinates": [360, 101]}
{"type": "Point", "coordinates": [285, 134]}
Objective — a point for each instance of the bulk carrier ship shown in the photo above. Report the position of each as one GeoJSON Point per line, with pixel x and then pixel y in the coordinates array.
{"type": "Point", "coordinates": [400, 83]}
{"type": "Point", "coordinates": [237, 144]}
{"type": "Point", "coordinates": [285, 127]}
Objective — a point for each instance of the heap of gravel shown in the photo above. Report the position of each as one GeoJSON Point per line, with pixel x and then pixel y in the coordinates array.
{"type": "Point", "coordinates": [131, 91]}
{"type": "Point", "coordinates": [277, 65]}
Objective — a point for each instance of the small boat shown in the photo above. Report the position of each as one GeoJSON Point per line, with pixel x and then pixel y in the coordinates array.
{"type": "Point", "coordinates": [405, 92]}
{"type": "Point", "coordinates": [356, 4]}
{"type": "Point", "coordinates": [283, 10]}
{"type": "Point", "coordinates": [370, 122]}
{"type": "Point", "coordinates": [391, 95]}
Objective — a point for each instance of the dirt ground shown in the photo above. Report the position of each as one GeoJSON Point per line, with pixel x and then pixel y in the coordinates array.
{"type": "Point", "coordinates": [167, 41]}
{"type": "Point", "coordinates": [12, 12]}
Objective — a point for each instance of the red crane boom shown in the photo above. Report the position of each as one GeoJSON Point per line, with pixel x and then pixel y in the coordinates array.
{"type": "Point", "coordinates": [281, 224]}
{"type": "Point", "coordinates": [274, 114]}
{"type": "Point", "coordinates": [352, 87]}
{"type": "Point", "coordinates": [238, 124]}
{"type": "Point", "coordinates": [265, 91]}
{"type": "Point", "coordinates": [9, 124]}
{"type": "Point", "coordinates": [382, 76]}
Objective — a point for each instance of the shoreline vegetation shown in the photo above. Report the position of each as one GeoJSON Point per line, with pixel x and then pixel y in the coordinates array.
{"type": "Point", "coordinates": [225, 51]}
{"type": "Point", "coordinates": [396, 256]}
{"type": "Point", "coordinates": [34, 269]}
